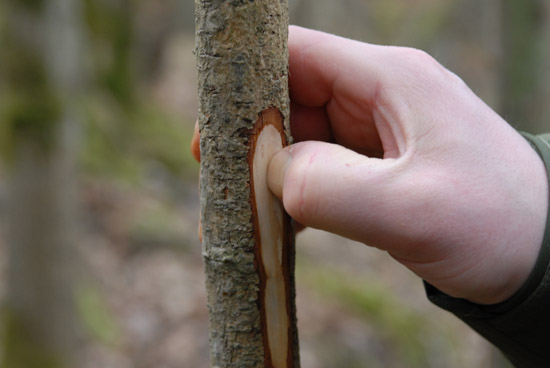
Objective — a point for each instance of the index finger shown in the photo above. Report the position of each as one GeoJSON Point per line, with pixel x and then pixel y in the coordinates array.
{"type": "Point", "coordinates": [195, 143]}
{"type": "Point", "coordinates": [340, 77]}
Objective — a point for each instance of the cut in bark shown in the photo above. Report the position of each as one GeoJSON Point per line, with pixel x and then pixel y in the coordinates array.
{"type": "Point", "coordinates": [247, 238]}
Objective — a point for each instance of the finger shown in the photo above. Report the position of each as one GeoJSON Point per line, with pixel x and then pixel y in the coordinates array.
{"type": "Point", "coordinates": [310, 123]}
{"type": "Point", "coordinates": [199, 231]}
{"type": "Point", "coordinates": [195, 143]}
{"type": "Point", "coordinates": [297, 226]}
{"type": "Point", "coordinates": [332, 188]}
{"type": "Point", "coordinates": [275, 175]}
{"type": "Point", "coordinates": [342, 76]}
{"type": "Point", "coordinates": [196, 152]}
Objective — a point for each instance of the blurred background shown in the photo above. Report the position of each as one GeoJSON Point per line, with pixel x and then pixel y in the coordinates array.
{"type": "Point", "coordinates": [100, 264]}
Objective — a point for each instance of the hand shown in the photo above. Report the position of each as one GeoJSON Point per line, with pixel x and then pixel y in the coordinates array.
{"type": "Point", "coordinates": [399, 154]}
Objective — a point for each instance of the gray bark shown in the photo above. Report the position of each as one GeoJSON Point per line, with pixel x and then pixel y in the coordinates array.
{"type": "Point", "coordinates": [43, 43]}
{"type": "Point", "coordinates": [242, 61]}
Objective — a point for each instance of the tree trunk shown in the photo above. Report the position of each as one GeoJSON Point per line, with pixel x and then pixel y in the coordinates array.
{"type": "Point", "coordinates": [247, 238]}
{"type": "Point", "coordinates": [41, 67]}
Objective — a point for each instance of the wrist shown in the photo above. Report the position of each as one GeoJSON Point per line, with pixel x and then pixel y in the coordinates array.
{"type": "Point", "coordinates": [528, 267]}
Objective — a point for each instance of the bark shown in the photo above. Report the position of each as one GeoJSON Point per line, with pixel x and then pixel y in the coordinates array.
{"type": "Point", "coordinates": [42, 73]}
{"type": "Point", "coordinates": [242, 62]}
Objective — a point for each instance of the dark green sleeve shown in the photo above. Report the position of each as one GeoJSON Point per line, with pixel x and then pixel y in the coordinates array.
{"type": "Point", "coordinates": [520, 326]}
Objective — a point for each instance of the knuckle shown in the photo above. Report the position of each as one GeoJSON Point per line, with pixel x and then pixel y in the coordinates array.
{"type": "Point", "coordinates": [418, 59]}
{"type": "Point", "coordinates": [419, 63]}
{"type": "Point", "coordinates": [420, 73]}
{"type": "Point", "coordinates": [423, 58]}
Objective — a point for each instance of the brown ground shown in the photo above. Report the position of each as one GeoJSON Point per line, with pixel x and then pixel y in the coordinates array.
{"type": "Point", "coordinates": [152, 285]}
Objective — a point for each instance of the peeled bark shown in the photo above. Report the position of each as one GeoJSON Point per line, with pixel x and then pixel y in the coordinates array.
{"type": "Point", "coordinates": [248, 240]}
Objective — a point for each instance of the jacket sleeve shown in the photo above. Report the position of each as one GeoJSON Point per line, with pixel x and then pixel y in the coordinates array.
{"type": "Point", "coordinates": [519, 326]}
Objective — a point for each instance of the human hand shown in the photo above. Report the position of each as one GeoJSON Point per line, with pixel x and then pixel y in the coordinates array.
{"type": "Point", "coordinates": [417, 165]}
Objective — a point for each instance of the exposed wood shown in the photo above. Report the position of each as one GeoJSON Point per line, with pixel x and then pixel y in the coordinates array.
{"type": "Point", "coordinates": [247, 239]}
{"type": "Point", "coordinates": [273, 242]}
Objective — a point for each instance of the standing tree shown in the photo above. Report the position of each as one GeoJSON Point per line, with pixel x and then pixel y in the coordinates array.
{"type": "Point", "coordinates": [248, 240]}
{"type": "Point", "coordinates": [40, 67]}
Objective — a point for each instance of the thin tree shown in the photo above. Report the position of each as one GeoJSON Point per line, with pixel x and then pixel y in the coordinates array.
{"type": "Point", "coordinates": [242, 59]}
{"type": "Point", "coordinates": [41, 70]}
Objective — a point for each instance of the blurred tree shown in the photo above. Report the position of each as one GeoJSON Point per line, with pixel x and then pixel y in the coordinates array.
{"type": "Point", "coordinates": [526, 63]}
{"type": "Point", "coordinates": [333, 16]}
{"type": "Point", "coordinates": [126, 129]}
{"type": "Point", "coordinates": [42, 73]}
{"type": "Point", "coordinates": [111, 33]}
{"type": "Point", "coordinates": [156, 22]}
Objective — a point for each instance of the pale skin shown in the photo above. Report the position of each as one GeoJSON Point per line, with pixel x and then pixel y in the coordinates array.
{"type": "Point", "coordinates": [396, 152]}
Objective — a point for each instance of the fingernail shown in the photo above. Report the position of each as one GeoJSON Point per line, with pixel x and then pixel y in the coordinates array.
{"type": "Point", "coordinates": [276, 172]}
{"type": "Point", "coordinates": [195, 143]}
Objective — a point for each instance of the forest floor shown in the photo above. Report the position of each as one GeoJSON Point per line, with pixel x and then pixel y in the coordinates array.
{"type": "Point", "coordinates": [143, 301]}
{"type": "Point", "coordinates": [146, 303]}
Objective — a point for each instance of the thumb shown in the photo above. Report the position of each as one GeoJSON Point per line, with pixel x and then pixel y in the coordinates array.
{"type": "Point", "coordinates": [329, 187]}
